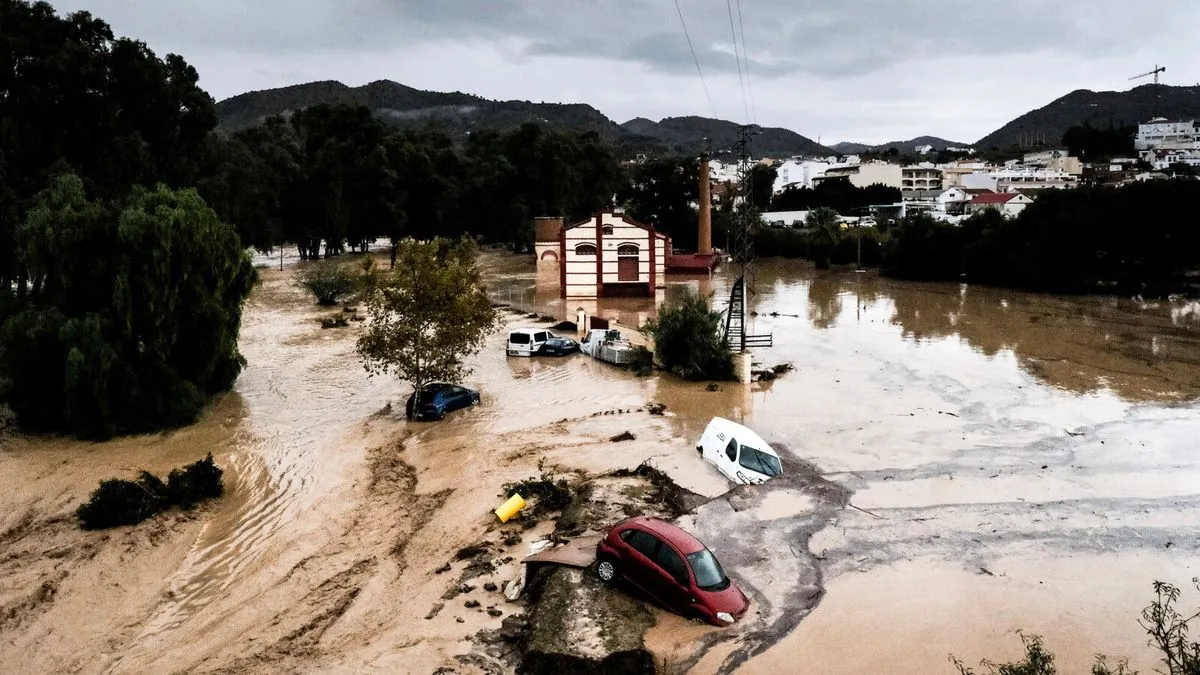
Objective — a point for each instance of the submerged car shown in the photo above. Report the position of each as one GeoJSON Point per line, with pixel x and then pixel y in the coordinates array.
{"type": "Point", "coordinates": [671, 566]}
{"type": "Point", "coordinates": [526, 341]}
{"type": "Point", "coordinates": [558, 345]}
{"type": "Point", "coordinates": [738, 453]}
{"type": "Point", "coordinates": [437, 399]}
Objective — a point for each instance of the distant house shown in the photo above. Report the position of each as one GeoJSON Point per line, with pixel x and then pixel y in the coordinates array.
{"type": "Point", "coordinates": [1008, 203]}
{"type": "Point", "coordinates": [611, 255]}
{"type": "Point", "coordinates": [953, 202]}
{"type": "Point", "coordinates": [785, 219]}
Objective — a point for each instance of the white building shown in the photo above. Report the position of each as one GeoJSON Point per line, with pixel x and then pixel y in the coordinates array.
{"type": "Point", "coordinates": [1014, 179]}
{"type": "Point", "coordinates": [1160, 133]}
{"type": "Point", "coordinates": [610, 255]}
{"type": "Point", "coordinates": [920, 178]}
{"type": "Point", "coordinates": [798, 173]}
{"type": "Point", "coordinates": [1009, 204]}
{"type": "Point", "coordinates": [864, 174]}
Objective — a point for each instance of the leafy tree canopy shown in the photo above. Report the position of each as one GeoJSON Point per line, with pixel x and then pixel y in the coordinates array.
{"type": "Point", "coordinates": [131, 320]}
{"type": "Point", "coordinates": [428, 313]}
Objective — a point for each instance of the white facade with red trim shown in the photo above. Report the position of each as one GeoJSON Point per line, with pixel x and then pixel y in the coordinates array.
{"type": "Point", "coordinates": [610, 255]}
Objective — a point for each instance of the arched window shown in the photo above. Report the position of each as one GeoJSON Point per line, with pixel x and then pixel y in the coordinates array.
{"type": "Point", "coordinates": [627, 249]}
{"type": "Point", "coordinates": [607, 229]}
{"type": "Point", "coordinates": [585, 249]}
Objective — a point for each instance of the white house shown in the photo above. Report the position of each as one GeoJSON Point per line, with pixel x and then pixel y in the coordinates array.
{"type": "Point", "coordinates": [611, 255]}
{"type": "Point", "coordinates": [1008, 203]}
{"type": "Point", "coordinates": [953, 202]}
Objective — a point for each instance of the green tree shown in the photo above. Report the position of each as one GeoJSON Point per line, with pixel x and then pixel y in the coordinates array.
{"type": "Point", "coordinates": [73, 96]}
{"type": "Point", "coordinates": [132, 318]}
{"type": "Point", "coordinates": [688, 339]}
{"type": "Point", "coordinates": [662, 193]}
{"type": "Point", "coordinates": [428, 313]}
{"type": "Point", "coordinates": [826, 232]}
{"type": "Point", "coordinates": [329, 281]}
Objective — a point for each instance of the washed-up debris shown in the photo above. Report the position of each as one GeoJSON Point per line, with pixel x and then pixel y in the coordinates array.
{"type": "Point", "coordinates": [490, 587]}
{"type": "Point", "coordinates": [566, 327]}
{"type": "Point", "coordinates": [335, 322]}
{"type": "Point", "coordinates": [492, 611]}
{"type": "Point", "coordinates": [713, 386]}
{"type": "Point", "coordinates": [510, 508]}
{"type": "Point", "coordinates": [443, 569]}
{"type": "Point", "coordinates": [469, 552]}
{"type": "Point", "coordinates": [656, 408]}
{"type": "Point", "coordinates": [578, 552]}
{"type": "Point", "coordinates": [434, 612]}
{"type": "Point", "coordinates": [624, 436]}
{"type": "Point", "coordinates": [782, 368]}
{"type": "Point", "coordinates": [350, 309]}
{"type": "Point", "coordinates": [471, 604]}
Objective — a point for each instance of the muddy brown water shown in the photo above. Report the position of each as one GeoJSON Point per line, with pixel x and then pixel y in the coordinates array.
{"type": "Point", "coordinates": [1021, 461]}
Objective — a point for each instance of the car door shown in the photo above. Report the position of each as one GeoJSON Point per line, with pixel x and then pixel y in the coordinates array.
{"type": "Point", "coordinates": [457, 397]}
{"type": "Point", "coordinates": [640, 560]}
{"type": "Point", "coordinates": [674, 584]}
{"type": "Point", "coordinates": [539, 339]}
{"type": "Point", "coordinates": [727, 460]}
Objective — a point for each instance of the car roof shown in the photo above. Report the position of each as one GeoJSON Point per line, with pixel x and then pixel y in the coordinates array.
{"type": "Point", "coordinates": [677, 537]}
{"type": "Point", "coordinates": [744, 435]}
{"type": "Point", "coordinates": [529, 331]}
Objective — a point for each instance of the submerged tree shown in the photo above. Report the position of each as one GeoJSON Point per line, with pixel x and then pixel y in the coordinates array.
{"type": "Point", "coordinates": [428, 313]}
{"type": "Point", "coordinates": [826, 231]}
{"type": "Point", "coordinates": [688, 340]}
{"type": "Point", "coordinates": [131, 319]}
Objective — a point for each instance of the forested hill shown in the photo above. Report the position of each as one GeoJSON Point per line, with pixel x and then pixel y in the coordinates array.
{"type": "Point", "coordinates": [1100, 109]}
{"type": "Point", "coordinates": [457, 114]}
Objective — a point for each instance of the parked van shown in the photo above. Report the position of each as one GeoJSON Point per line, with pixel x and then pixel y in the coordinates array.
{"type": "Point", "coordinates": [739, 453]}
{"type": "Point", "coordinates": [526, 341]}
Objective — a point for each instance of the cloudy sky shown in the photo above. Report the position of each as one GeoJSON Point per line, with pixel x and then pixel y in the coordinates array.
{"type": "Point", "coordinates": [861, 70]}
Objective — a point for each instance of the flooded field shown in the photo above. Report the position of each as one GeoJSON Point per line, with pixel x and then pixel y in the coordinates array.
{"type": "Point", "coordinates": [961, 463]}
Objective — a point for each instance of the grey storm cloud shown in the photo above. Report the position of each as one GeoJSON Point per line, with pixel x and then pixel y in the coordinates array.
{"type": "Point", "coordinates": [815, 37]}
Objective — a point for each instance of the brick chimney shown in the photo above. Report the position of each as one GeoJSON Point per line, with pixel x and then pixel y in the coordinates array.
{"type": "Point", "coordinates": [546, 229]}
{"type": "Point", "coordinates": [704, 235]}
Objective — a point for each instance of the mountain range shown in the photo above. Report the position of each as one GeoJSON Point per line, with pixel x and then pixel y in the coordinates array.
{"type": "Point", "coordinates": [458, 114]}
{"type": "Point", "coordinates": [908, 146]}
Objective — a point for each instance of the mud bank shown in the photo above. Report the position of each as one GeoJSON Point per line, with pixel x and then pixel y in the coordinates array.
{"type": "Point", "coordinates": [1042, 439]}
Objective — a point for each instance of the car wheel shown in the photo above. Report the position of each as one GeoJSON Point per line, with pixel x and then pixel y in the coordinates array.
{"type": "Point", "coordinates": [606, 569]}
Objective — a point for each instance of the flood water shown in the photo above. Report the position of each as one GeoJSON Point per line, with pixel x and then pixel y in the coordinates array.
{"type": "Point", "coordinates": [988, 461]}
{"type": "Point", "coordinates": [1024, 461]}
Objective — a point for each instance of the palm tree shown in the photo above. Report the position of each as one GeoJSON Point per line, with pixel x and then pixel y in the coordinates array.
{"type": "Point", "coordinates": [826, 230]}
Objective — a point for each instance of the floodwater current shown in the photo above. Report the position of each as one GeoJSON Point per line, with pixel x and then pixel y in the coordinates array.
{"type": "Point", "coordinates": [967, 462]}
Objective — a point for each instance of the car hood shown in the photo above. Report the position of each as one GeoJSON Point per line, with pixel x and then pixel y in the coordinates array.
{"type": "Point", "coordinates": [731, 599]}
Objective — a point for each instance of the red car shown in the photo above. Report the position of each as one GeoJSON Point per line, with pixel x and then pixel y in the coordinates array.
{"type": "Point", "coordinates": [671, 566]}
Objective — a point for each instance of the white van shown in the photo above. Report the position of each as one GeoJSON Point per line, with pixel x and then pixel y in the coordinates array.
{"type": "Point", "coordinates": [738, 452]}
{"type": "Point", "coordinates": [526, 341]}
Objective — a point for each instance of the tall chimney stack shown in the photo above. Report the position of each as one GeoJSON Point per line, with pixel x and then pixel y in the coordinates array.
{"type": "Point", "coordinates": [704, 235]}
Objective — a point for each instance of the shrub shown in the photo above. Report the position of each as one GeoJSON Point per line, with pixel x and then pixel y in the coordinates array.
{"type": "Point", "coordinates": [688, 341]}
{"type": "Point", "coordinates": [329, 281]}
{"type": "Point", "coordinates": [195, 483]}
{"type": "Point", "coordinates": [122, 502]}
{"type": "Point", "coordinates": [125, 502]}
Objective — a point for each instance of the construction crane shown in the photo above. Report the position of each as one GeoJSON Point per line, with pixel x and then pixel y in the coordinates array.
{"type": "Point", "coordinates": [1157, 69]}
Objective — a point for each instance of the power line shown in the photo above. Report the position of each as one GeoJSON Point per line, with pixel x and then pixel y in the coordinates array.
{"type": "Point", "coordinates": [738, 57]}
{"type": "Point", "coordinates": [696, 60]}
{"type": "Point", "coordinates": [749, 88]}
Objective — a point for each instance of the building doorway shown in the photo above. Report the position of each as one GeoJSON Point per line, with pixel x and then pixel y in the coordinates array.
{"type": "Point", "coordinates": [627, 262]}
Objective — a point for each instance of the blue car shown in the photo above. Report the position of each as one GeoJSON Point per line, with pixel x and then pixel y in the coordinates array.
{"type": "Point", "coordinates": [439, 398]}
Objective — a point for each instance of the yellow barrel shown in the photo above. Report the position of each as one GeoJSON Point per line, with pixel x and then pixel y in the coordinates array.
{"type": "Point", "coordinates": [509, 508]}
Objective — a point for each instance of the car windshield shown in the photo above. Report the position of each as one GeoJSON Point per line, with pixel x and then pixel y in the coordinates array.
{"type": "Point", "coordinates": [709, 574]}
{"type": "Point", "coordinates": [757, 460]}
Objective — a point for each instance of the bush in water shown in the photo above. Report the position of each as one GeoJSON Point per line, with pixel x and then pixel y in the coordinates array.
{"type": "Point", "coordinates": [119, 502]}
{"type": "Point", "coordinates": [122, 502]}
{"type": "Point", "coordinates": [195, 483]}
{"type": "Point", "coordinates": [688, 342]}
{"type": "Point", "coordinates": [329, 281]}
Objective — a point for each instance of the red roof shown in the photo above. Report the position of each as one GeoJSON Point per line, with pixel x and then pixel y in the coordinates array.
{"type": "Point", "coordinates": [993, 198]}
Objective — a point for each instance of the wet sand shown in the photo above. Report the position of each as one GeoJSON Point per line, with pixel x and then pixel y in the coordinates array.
{"type": "Point", "coordinates": [1044, 439]}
